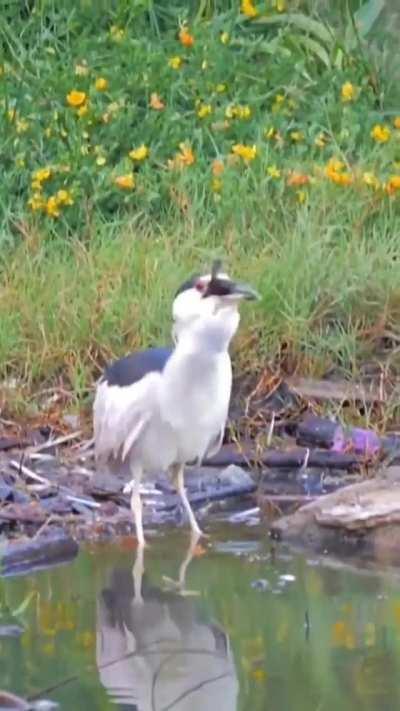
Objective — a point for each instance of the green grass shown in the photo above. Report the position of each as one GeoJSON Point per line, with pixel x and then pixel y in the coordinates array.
{"type": "Point", "coordinates": [97, 280]}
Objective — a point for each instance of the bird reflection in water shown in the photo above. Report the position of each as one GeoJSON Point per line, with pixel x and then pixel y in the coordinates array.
{"type": "Point", "coordinates": [155, 651]}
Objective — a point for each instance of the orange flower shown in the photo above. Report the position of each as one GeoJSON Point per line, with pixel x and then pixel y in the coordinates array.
{"type": "Point", "coordinates": [296, 179]}
{"type": "Point", "coordinates": [393, 184]}
{"type": "Point", "coordinates": [156, 102]}
{"type": "Point", "coordinates": [184, 158]}
{"type": "Point", "coordinates": [76, 98]}
{"type": "Point", "coordinates": [186, 155]}
{"type": "Point", "coordinates": [125, 182]}
{"type": "Point", "coordinates": [185, 38]}
{"type": "Point", "coordinates": [217, 167]}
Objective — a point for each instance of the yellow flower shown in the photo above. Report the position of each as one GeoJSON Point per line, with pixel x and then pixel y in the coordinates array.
{"type": "Point", "coordinates": [348, 92]}
{"type": "Point", "coordinates": [301, 196]}
{"type": "Point", "coordinates": [273, 172]}
{"type": "Point", "coordinates": [371, 180]}
{"type": "Point", "coordinates": [41, 175]}
{"type": "Point", "coordinates": [125, 182]}
{"type": "Point", "coordinates": [270, 133]}
{"type": "Point", "coordinates": [204, 110]}
{"type": "Point", "coordinates": [111, 110]}
{"type": "Point", "coordinates": [334, 171]}
{"type": "Point", "coordinates": [101, 160]}
{"type": "Point", "coordinates": [396, 122]}
{"type": "Point", "coordinates": [52, 207]}
{"type": "Point", "coordinates": [380, 133]}
{"type": "Point", "coordinates": [224, 37]}
{"type": "Point", "coordinates": [140, 153]}
{"type": "Point", "coordinates": [278, 103]}
{"type": "Point", "coordinates": [81, 70]}
{"type": "Point", "coordinates": [64, 197]}
{"type": "Point", "coordinates": [320, 140]}
{"type": "Point", "coordinates": [20, 161]}
{"type": "Point", "coordinates": [248, 9]}
{"type": "Point", "coordinates": [82, 111]}
{"type": "Point", "coordinates": [156, 102]}
{"type": "Point", "coordinates": [280, 5]}
{"type": "Point", "coordinates": [247, 153]}
{"type": "Point", "coordinates": [76, 98]}
{"type": "Point", "coordinates": [101, 84]}
{"type": "Point", "coordinates": [393, 184]}
{"type": "Point", "coordinates": [37, 202]}
{"type": "Point", "coordinates": [239, 111]}
{"type": "Point", "coordinates": [297, 136]}
{"type": "Point", "coordinates": [216, 185]}
{"type": "Point", "coordinates": [21, 126]}
{"type": "Point", "coordinates": [185, 38]}
{"type": "Point", "coordinates": [175, 62]}
{"type": "Point", "coordinates": [220, 88]}
{"type": "Point", "coordinates": [117, 33]}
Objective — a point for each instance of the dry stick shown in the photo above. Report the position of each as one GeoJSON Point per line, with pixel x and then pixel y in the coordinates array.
{"type": "Point", "coordinates": [21, 468]}
{"type": "Point", "coordinates": [55, 442]}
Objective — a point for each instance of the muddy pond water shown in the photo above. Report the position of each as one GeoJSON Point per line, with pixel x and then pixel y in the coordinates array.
{"type": "Point", "coordinates": [263, 629]}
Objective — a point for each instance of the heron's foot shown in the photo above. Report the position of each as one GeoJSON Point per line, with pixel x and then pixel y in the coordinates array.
{"type": "Point", "coordinates": [128, 488]}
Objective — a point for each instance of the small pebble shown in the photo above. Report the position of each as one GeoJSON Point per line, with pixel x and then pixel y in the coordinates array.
{"type": "Point", "coordinates": [287, 578]}
{"type": "Point", "coordinates": [260, 584]}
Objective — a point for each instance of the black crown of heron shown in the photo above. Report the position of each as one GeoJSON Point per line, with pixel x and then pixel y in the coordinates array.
{"type": "Point", "coordinates": [163, 408]}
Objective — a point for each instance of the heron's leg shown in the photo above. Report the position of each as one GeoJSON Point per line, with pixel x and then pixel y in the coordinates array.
{"type": "Point", "coordinates": [136, 502]}
{"type": "Point", "coordinates": [137, 574]}
{"type": "Point", "coordinates": [178, 482]}
{"type": "Point", "coordinates": [181, 582]}
{"type": "Point", "coordinates": [194, 539]}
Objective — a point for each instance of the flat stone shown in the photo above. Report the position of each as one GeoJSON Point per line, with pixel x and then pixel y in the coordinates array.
{"type": "Point", "coordinates": [11, 630]}
{"type": "Point", "coordinates": [234, 476]}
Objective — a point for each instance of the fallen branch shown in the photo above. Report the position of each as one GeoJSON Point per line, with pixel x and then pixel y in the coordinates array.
{"type": "Point", "coordinates": [289, 459]}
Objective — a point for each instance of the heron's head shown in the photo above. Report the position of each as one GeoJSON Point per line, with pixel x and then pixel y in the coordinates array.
{"type": "Point", "coordinates": [208, 295]}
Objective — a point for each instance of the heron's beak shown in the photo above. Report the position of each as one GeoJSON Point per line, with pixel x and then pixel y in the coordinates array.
{"type": "Point", "coordinates": [244, 291]}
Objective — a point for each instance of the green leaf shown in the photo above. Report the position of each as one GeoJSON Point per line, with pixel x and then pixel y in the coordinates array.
{"type": "Point", "coordinates": [24, 604]}
{"type": "Point", "coordinates": [300, 22]}
{"type": "Point", "coordinates": [367, 15]}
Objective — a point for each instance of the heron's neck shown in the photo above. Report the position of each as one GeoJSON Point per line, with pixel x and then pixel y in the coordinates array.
{"type": "Point", "coordinates": [210, 335]}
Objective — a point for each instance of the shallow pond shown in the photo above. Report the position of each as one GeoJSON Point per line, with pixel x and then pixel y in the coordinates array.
{"type": "Point", "coordinates": [266, 630]}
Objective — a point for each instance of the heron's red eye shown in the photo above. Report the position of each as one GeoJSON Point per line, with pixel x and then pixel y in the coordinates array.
{"type": "Point", "coordinates": [200, 286]}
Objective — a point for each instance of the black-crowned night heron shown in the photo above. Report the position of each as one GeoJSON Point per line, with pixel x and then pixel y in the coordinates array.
{"type": "Point", "coordinates": [163, 408]}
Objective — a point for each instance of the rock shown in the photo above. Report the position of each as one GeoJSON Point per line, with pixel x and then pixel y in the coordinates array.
{"type": "Point", "coordinates": [362, 518]}
{"type": "Point", "coordinates": [104, 483]}
{"type": "Point", "coordinates": [72, 421]}
{"type": "Point", "coordinates": [11, 630]}
{"type": "Point", "coordinates": [45, 705]}
{"type": "Point", "coordinates": [10, 701]}
{"type": "Point", "coordinates": [6, 492]}
{"type": "Point", "coordinates": [57, 505]}
{"type": "Point", "coordinates": [52, 547]}
{"type": "Point", "coordinates": [260, 584]}
{"type": "Point", "coordinates": [234, 476]}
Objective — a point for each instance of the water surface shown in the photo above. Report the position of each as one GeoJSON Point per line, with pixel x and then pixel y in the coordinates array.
{"type": "Point", "coordinates": [266, 630]}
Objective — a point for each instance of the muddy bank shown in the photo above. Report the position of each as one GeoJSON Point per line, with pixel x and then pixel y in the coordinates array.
{"type": "Point", "coordinates": [277, 455]}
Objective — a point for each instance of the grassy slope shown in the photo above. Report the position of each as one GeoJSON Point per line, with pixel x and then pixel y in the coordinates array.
{"type": "Point", "coordinates": [97, 281]}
